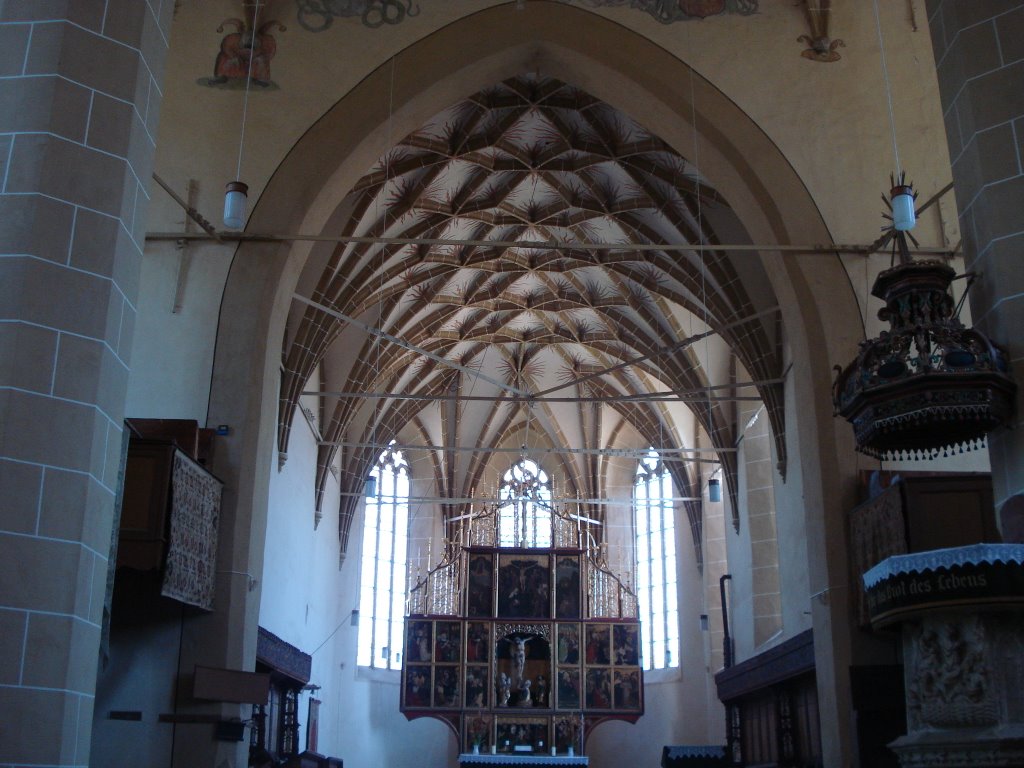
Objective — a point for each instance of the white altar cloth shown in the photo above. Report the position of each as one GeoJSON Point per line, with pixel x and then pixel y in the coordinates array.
{"type": "Point", "coordinates": [512, 759]}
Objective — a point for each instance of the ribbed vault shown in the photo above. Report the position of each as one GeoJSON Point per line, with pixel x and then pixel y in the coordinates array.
{"type": "Point", "coordinates": [537, 347]}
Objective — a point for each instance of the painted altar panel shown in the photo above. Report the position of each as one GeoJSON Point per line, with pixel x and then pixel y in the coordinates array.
{"type": "Point", "coordinates": [417, 684]}
{"type": "Point", "coordinates": [478, 642]}
{"type": "Point", "coordinates": [524, 585]}
{"type": "Point", "coordinates": [567, 587]}
{"type": "Point", "coordinates": [447, 686]}
{"type": "Point", "coordinates": [419, 641]}
{"type": "Point", "coordinates": [477, 686]}
{"type": "Point", "coordinates": [569, 688]}
{"type": "Point", "coordinates": [480, 585]}
{"type": "Point", "coordinates": [514, 734]}
{"type": "Point", "coordinates": [448, 646]}
{"type": "Point", "coordinates": [568, 643]}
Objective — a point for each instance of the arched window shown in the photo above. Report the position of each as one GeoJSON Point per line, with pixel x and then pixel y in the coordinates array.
{"type": "Point", "coordinates": [524, 518]}
{"type": "Point", "coordinates": [656, 563]}
{"type": "Point", "coordinates": [382, 578]}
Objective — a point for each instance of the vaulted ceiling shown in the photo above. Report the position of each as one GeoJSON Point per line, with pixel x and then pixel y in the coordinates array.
{"type": "Point", "coordinates": [619, 337]}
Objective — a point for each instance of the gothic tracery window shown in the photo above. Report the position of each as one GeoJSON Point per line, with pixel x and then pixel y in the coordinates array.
{"type": "Point", "coordinates": [382, 577]}
{"type": "Point", "coordinates": [656, 563]}
{"type": "Point", "coordinates": [524, 517]}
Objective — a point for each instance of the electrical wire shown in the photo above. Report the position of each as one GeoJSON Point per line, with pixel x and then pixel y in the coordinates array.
{"type": "Point", "coordinates": [888, 91]}
{"type": "Point", "coordinates": [248, 82]}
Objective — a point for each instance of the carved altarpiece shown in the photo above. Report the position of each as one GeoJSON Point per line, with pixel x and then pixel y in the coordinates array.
{"type": "Point", "coordinates": [518, 649]}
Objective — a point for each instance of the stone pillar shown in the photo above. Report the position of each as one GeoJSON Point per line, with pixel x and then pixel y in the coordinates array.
{"type": "Point", "coordinates": [79, 98]}
{"type": "Point", "coordinates": [979, 55]}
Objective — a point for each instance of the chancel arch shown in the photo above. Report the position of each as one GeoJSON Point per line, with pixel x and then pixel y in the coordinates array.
{"type": "Point", "coordinates": [788, 294]}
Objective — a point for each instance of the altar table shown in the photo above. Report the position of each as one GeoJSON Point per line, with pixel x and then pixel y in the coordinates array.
{"type": "Point", "coordinates": [539, 760]}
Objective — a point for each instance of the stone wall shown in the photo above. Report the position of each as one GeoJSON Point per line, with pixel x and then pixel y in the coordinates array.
{"type": "Point", "coordinates": [979, 55]}
{"type": "Point", "coordinates": [79, 101]}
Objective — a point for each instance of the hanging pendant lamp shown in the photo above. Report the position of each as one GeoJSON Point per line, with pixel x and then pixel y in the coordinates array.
{"type": "Point", "coordinates": [235, 194]}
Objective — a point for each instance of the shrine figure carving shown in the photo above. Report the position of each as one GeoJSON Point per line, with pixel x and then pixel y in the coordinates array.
{"type": "Point", "coordinates": [525, 699]}
{"type": "Point", "coordinates": [504, 689]}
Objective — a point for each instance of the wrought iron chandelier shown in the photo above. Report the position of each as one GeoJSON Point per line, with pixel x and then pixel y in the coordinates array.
{"type": "Point", "coordinates": [929, 385]}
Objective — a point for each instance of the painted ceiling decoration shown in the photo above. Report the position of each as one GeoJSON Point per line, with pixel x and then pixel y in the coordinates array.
{"type": "Point", "coordinates": [821, 47]}
{"type": "Point", "coordinates": [477, 347]}
{"type": "Point", "coordinates": [319, 15]}
{"type": "Point", "coordinates": [248, 47]}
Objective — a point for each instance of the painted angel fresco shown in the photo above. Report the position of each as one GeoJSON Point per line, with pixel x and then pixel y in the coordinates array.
{"type": "Point", "coordinates": [248, 47]}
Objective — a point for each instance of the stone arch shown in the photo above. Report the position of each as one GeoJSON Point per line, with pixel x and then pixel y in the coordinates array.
{"type": "Point", "coordinates": [615, 64]}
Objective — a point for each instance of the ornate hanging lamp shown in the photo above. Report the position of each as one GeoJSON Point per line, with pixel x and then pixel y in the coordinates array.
{"type": "Point", "coordinates": [929, 385]}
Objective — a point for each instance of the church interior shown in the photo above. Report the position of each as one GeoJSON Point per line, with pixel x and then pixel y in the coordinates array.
{"type": "Point", "coordinates": [488, 382]}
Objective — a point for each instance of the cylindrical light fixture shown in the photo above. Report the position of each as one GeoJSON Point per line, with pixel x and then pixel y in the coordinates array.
{"type": "Point", "coordinates": [235, 195]}
{"type": "Point", "coordinates": [714, 489]}
{"type": "Point", "coordinates": [903, 216]}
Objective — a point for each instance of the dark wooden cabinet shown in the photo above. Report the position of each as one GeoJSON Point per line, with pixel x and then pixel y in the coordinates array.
{"type": "Point", "coordinates": [146, 504]}
{"type": "Point", "coordinates": [772, 705]}
{"type": "Point", "coordinates": [917, 512]}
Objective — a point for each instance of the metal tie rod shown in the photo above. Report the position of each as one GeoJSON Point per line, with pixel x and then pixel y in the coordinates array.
{"type": "Point", "coordinates": [654, 397]}
{"type": "Point", "coordinates": [487, 500]}
{"type": "Point", "coordinates": [823, 249]}
{"type": "Point", "coordinates": [407, 345]}
{"type": "Point", "coordinates": [632, 453]}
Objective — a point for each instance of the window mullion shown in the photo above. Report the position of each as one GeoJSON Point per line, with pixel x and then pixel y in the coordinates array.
{"type": "Point", "coordinates": [376, 581]}
{"type": "Point", "coordinates": [666, 518]}
{"type": "Point", "coordinates": [391, 572]}
{"type": "Point", "coordinates": [650, 569]}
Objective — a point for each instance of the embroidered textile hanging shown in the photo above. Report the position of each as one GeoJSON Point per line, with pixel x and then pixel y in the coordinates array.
{"type": "Point", "coordinates": [189, 573]}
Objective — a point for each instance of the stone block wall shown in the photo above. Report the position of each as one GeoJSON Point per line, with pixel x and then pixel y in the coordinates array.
{"type": "Point", "coordinates": [979, 55]}
{"type": "Point", "coordinates": [80, 88]}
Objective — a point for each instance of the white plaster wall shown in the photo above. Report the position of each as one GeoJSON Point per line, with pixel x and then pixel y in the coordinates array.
{"type": "Point", "coordinates": [792, 545]}
{"type": "Point", "coordinates": [307, 601]}
{"type": "Point", "coordinates": [360, 721]}
{"type": "Point", "coordinates": [831, 120]}
{"type": "Point", "coordinates": [792, 538]}
{"type": "Point", "coordinates": [675, 700]}
{"type": "Point", "coordinates": [739, 590]}
{"type": "Point", "coordinates": [170, 379]}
